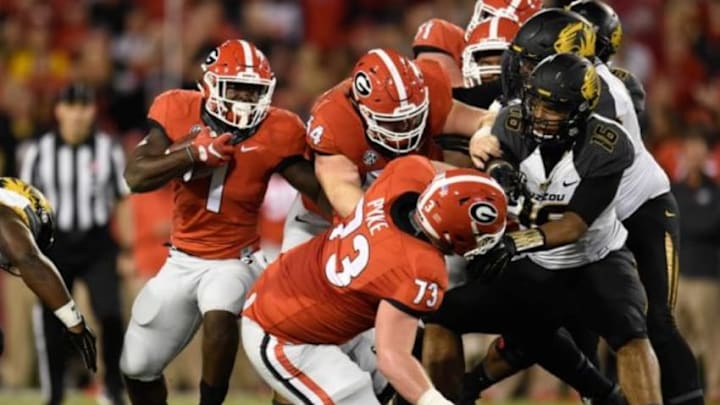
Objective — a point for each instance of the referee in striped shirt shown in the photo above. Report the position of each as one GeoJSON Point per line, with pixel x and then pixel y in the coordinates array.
{"type": "Point", "coordinates": [79, 169]}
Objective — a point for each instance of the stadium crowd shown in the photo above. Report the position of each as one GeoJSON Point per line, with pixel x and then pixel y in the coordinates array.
{"type": "Point", "coordinates": [130, 51]}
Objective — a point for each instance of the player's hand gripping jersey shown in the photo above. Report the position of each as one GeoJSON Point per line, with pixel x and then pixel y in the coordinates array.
{"type": "Point", "coordinates": [328, 290]}
{"type": "Point", "coordinates": [216, 217]}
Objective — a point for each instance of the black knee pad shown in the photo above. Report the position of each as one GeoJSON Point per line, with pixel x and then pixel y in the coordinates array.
{"type": "Point", "coordinates": [513, 353]}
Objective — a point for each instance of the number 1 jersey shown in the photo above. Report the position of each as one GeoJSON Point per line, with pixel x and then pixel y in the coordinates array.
{"type": "Point", "coordinates": [216, 217]}
{"type": "Point", "coordinates": [327, 290]}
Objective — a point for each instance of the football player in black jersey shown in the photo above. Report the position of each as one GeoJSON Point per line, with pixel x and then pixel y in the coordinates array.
{"type": "Point", "coordinates": [26, 229]}
{"type": "Point", "coordinates": [575, 266]}
{"type": "Point", "coordinates": [653, 234]}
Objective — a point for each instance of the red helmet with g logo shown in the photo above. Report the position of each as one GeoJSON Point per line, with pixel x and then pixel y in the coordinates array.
{"type": "Point", "coordinates": [392, 98]}
{"type": "Point", "coordinates": [237, 84]}
{"type": "Point", "coordinates": [463, 211]}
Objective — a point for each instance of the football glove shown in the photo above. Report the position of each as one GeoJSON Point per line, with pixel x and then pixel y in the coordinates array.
{"type": "Point", "coordinates": [211, 149]}
{"type": "Point", "coordinates": [513, 182]}
{"type": "Point", "coordinates": [84, 343]}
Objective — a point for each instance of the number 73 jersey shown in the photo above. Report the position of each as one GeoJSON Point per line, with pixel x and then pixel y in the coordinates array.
{"type": "Point", "coordinates": [327, 290]}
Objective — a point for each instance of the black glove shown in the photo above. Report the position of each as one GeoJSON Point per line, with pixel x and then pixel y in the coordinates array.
{"type": "Point", "coordinates": [84, 342]}
{"type": "Point", "coordinates": [513, 182]}
{"type": "Point", "coordinates": [470, 389]}
{"type": "Point", "coordinates": [489, 266]}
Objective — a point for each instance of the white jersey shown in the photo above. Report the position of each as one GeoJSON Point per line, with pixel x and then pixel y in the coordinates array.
{"type": "Point", "coordinates": [602, 150]}
{"type": "Point", "coordinates": [644, 179]}
{"type": "Point", "coordinates": [604, 235]}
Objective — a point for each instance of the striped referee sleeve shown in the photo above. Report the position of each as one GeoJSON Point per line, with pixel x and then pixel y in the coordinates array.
{"type": "Point", "coordinates": [28, 169]}
{"type": "Point", "coordinates": [120, 186]}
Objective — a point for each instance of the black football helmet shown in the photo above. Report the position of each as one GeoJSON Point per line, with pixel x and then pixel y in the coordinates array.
{"type": "Point", "coordinates": [606, 22]}
{"type": "Point", "coordinates": [548, 32]}
{"type": "Point", "coordinates": [560, 94]}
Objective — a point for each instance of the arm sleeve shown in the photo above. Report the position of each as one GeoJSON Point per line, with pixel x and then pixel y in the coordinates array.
{"type": "Point", "coordinates": [593, 195]}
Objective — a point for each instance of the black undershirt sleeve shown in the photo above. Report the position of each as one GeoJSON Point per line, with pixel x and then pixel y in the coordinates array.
{"type": "Point", "coordinates": [593, 195]}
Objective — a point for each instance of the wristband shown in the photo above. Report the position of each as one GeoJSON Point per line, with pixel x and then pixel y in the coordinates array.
{"type": "Point", "coordinates": [526, 240]}
{"type": "Point", "coordinates": [69, 315]}
{"type": "Point", "coordinates": [432, 397]}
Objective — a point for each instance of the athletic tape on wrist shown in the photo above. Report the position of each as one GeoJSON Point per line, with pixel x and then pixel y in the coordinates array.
{"type": "Point", "coordinates": [527, 240]}
{"type": "Point", "coordinates": [69, 315]}
{"type": "Point", "coordinates": [432, 397]}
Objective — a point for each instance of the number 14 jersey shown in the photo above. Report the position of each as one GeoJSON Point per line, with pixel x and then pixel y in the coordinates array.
{"type": "Point", "coordinates": [327, 290]}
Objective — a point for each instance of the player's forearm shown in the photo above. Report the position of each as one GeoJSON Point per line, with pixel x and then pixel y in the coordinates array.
{"type": "Point", "coordinates": [343, 197]}
{"type": "Point", "coordinates": [405, 374]}
{"type": "Point", "coordinates": [148, 173]}
{"type": "Point", "coordinates": [40, 275]}
{"type": "Point", "coordinates": [567, 230]}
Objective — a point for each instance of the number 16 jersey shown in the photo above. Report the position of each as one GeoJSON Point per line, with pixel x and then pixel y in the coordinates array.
{"type": "Point", "coordinates": [327, 290]}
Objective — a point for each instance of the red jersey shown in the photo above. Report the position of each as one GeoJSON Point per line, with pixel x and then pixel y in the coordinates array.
{"type": "Point", "coordinates": [327, 290]}
{"type": "Point", "coordinates": [336, 127]}
{"type": "Point", "coordinates": [216, 217]}
{"type": "Point", "coordinates": [437, 35]}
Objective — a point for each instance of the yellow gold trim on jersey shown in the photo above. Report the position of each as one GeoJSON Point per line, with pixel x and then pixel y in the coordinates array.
{"type": "Point", "coordinates": [672, 261]}
{"type": "Point", "coordinates": [616, 37]}
{"type": "Point", "coordinates": [578, 38]}
{"type": "Point", "coordinates": [517, 48]}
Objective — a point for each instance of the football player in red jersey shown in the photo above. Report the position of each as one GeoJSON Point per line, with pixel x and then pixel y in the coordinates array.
{"type": "Point", "coordinates": [381, 266]}
{"type": "Point", "coordinates": [219, 174]}
{"type": "Point", "coordinates": [389, 107]}
{"type": "Point", "coordinates": [444, 42]}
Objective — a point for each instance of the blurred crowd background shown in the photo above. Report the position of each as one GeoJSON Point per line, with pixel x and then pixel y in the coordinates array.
{"type": "Point", "coordinates": [131, 50]}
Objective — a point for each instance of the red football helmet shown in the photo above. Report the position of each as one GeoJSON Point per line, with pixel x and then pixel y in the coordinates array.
{"type": "Point", "coordinates": [391, 95]}
{"type": "Point", "coordinates": [490, 38]}
{"type": "Point", "coordinates": [463, 211]}
{"type": "Point", "coordinates": [518, 10]}
{"type": "Point", "coordinates": [237, 84]}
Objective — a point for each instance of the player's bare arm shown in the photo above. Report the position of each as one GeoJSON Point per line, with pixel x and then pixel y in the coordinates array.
{"type": "Point", "coordinates": [394, 338]}
{"type": "Point", "coordinates": [301, 175]}
{"type": "Point", "coordinates": [18, 245]}
{"type": "Point", "coordinates": [448, 65]}
{"type": "Point", "coordinates": [340, 179]}
{"type": "Point", "coordinates": [155, 161]}
{"type": "Point", "coordinates": [464, 119]}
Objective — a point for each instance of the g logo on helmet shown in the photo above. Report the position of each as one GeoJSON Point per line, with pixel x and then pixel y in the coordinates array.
{"type": "Point", "coordinates": [212, 57]}
{"type": "Point", "coordinates": [483, 213]}
{"type": "Point", "coordinates": [362, 84]}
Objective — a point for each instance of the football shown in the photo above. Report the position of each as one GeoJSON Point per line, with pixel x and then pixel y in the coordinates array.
{"type": "Point", "coordinates": [199, 170]}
